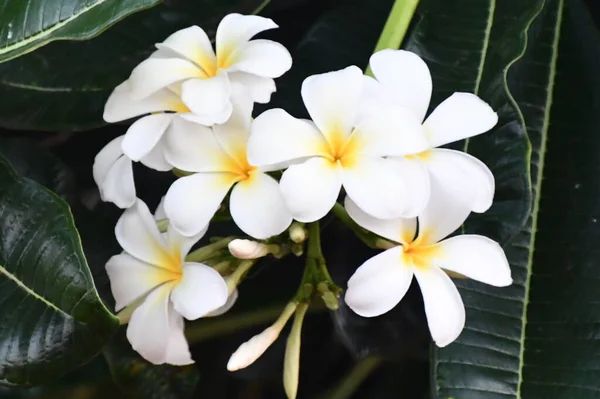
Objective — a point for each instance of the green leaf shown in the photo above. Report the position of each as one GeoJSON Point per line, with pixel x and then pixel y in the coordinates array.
{"type": "Point", "coordinates": [29, 24]}
{"type": "Point", "coordinates": [536, 339]}
{"type": "Point", "coordinates": [145, 380]}
{"type": "Point", "coordinates": [51, 90]}
{"type": "Point", "coordinates": [52, 318]}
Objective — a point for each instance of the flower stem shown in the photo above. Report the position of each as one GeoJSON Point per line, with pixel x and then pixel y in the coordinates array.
{"type": "Point", "coordinates": [291, 363]}
{"type": "Point", "coordinates": [395, 27]}
{"type": "Point", "coordinates": [205, 252]}
{"type": "Point", "coordinates": [350, 383]}
{"type": "Point", "coordinates": [340, 212]}
{"type": "Point", "coordinates": [234, 278]}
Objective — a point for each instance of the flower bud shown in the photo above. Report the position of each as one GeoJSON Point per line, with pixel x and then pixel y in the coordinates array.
{"type": "Point", "coordinates": [252, 349]}
{"type": "Point", "coordinates": [291, 363]}
{"type": "Point", "coordinates": [297, 233]}
{"type": "Point", "coordinates": [248, 249]}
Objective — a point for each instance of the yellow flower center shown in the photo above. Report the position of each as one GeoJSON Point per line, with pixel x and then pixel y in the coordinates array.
{"type": "Point", "coordinates": [418, 253]}
{"type": "Point", "coordinates": [341, 149]}
{"type": "Point", "coordinates": [423, 156]}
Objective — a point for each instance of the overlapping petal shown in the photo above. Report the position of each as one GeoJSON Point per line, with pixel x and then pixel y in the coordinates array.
{"type": "Point", "coordinates": [264, 58]}
{"type": "Point", "coordinates": [379, 284]}
{"type": "Point", "coordinates": [208, 99]}
{"type": "Point", "coordinates": [201, 291]}
{"type": "Point", "coordinates": [154, 74]}
{"type": "Point", "coordinates": [192, 43]}
{"type": "Point", "coordinates": [259, 88]}
{"type": "Point", "coordinates": [234, 32]}
{"type": "Point", "coordinates": [143, 135]}
{"type": "Point", "coordinates": [113, 173]}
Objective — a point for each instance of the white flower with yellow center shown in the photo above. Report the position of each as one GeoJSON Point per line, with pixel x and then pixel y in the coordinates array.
{"type": "Point", "coordinates": [380, 283]}
{"type": "Point", "coordinates": [338, 150]}
{"type": "Point", "coordinates": [217, 156]}
{"type": "Point", "coordinates": [152, 270]}
{"type": "Point", "coordinates": [404, 79]}
{"type": "Point", "coordinates": [187, 62]}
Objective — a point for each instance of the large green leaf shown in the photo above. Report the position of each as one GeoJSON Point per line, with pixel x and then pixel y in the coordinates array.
{"type": "Point", "coordinates": [52, 318]}
{"type": "Point", "coordinates": [29, 24]}
{"type": "Point", "coordinates": [52, 90]}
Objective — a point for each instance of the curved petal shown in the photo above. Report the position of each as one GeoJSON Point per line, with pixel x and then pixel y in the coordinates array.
{"type": "Point", "coordinates": [178, 351]}
{"type": "Point", "coordinates": [416, 179]}
{"type": "Point", "coordinates": [121, 105]}
{"type": "Point", "coordinates": [155, 159]}
{"type": "Point", "coordinates": [153, 330]}
{"type": "Point", "coordinates": [379, 284]}
{"type": "Point", "coordinates": [332, 101]}
{"type": "Point", "coordinates": [406, 77]}
{"type": "Point", "coordinates": [154, 74]}
{"type": "Point", "coordinates": [460, 116]}
{"type": "Point", "coordinates": [257, 207]}
{"type": "Point", "coordinates": [193, 43]}
{"type": "Point", "coordinates": [261, 57]}
{"type": "Point", "coordinates": [231, 300]}
{"type": "Point", "coordinates": [259, 88]}
{"type": "Point", "coordinates": [105, 159]}
{"type": "Point", "coordinates": [445, 211]}
{"type": "Point", "coordinates": [375, 186]}
{"type": "Point", "coordinates": [399, 230]}
{"type": "Point", "coordinates": [118, 186]}
{"type": "Point", "coordinates": [201, 290]}
{"type": "Point", "coordinates": [373, 98]}
{"type": "Point", "coordinates": [476, 257]}
{"type": "Point", "coordinates": [138, 235]}
{"type": "Point", "coordinates": [235, 30]}
{"type": "Point", "coordinates": [130, 278]}
{"type": "Point", "coordinates": [311, 188]}
{"type": "Point", "coordinates": [457, 170]}
{"type": "Point", "coordinates": [208, 98]}
{"type": "Point", "coordinates": [443, 305]}
{"type": "Point", "coordinates": [233, 134]}
{"type": "Point", "coordinates": [278, 137]}
{"type": "Point", "coordinates": [179, 245]}
{"type": "Point", "coordinates": [390, 131]}
{"type": "Point", "coordinates": [144, 134]}
{"type": "Point", "coordinates": [192, 201]}
{"type": "Point", "coordinates": [194, 148]}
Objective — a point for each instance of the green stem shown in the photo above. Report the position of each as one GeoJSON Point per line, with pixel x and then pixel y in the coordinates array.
{"type": "Point", "coordinates": [234, 278]}
{"type": "Point", "coordinates": [340, 212]}
{"type": "Point", "coordinates": [205, 252]}
{"type": "Point", "coordinates": [350, 383]}
{"type": "Point", "coordinates": [291, 363]}
{"type": "Point", "coordinates": [395, 27]}
{"type": "Point", "coordinates": [205, 329]}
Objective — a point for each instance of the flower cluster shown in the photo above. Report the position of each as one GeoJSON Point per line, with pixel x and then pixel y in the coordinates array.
{"type": "Point", "coordinates": [367, 136]}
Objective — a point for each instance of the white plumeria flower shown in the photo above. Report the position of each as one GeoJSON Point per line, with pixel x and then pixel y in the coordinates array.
{"type": "Point", "coordinates": [217, 155]}
{"type": "Point", "coordinates": [335, 150]}
{"type": "Point", "coordinates": [152, 269]}
{"type": "Point", "coordinates": [186, 59]}
{"type": "Point", "coordinates": [380, 283]}
{"type": "Point", "coordinates": [403, 79]}
{"type": "Point", "coordinates": [113, 174]}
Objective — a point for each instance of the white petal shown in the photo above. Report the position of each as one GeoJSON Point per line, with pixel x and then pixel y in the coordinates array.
{"type": "Point", "coordinates": [390, 131]}
{"type": "Point", "coordinates": [460, 116]}
{"type": "Point", "coordinates": [247, 249]}
{"type": "Point", "coordinates": [155, 159]}
{"type": "Point", "coordinates": [131, 278]}
{"type": "Point", "coordinates": [416, 179]}
{"type": "Point", "coordinates": [278, 137]}
{"type": "Point", "coordinates": [446, 211]}
{"type": "Point", "coordinates": [209, 97]}
{"type": "Point", "coordinates": [257, 207]}
{"type": "Point", "coordinates": [201, 290]}
{"type": "Point", "coordinates": [252, 349]}
{"type": "Point", "coordinates": [105, 159]}
{"type": "Point", "coordinates": [150, 329]}
{"type": "Point", "coordinates": [137, 233]}
{"type": "Point", "coordinates": [406, 77]}
{"type": "Point", "coordinates": [235, 30]}
{"type": "Point", "coordinates": [178, 244]}
{"type": "Point", "coordinates": [192, 201]}
{"type": "Point", "coordinates": [261, 57]}
{"type": "Point", "coordinates": [373, 98]}
{"type": "Point", "coordinates": [118, 186]}
{"type": "Point", "coordinates": [159, 212]}
{"type": "Point", "coordinates": [193, 43]}
{"type": "Point", "coordinates": [121, 105]}
{"type": "Point", "coordinates": [375, 186]}
{"type": "Point", "coordinates": [310, 189]}
{"type": "Point", "coordinates": [194, 148]}
{"type": "Point", "coordinates": [379, 284]}
{"type": "Point", "coordinates": [459, 169]}
{"type": "Point", "coordinates": [443, 305]}
{"type": "Point", "coordinates": [398, 230]}
{"type": "Point", "coordinates": [476, 257]}
{"type": "Point", "coordinates": [242, 107]}
{"type": "Point", "coordinates": [144, 134]}
{"type": "Point", "coordinates": [260, 88]}
{"type": "Point", "coordinates": [233, 134]}
{"type": "Point", "coordinates": [231, 300]}
{"type": "Point", "coordinates": [332, 101]}
{"type": "Point", "coordinates": [154, 74]}
{"type": "Point", "coordinates": [178, 351]}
